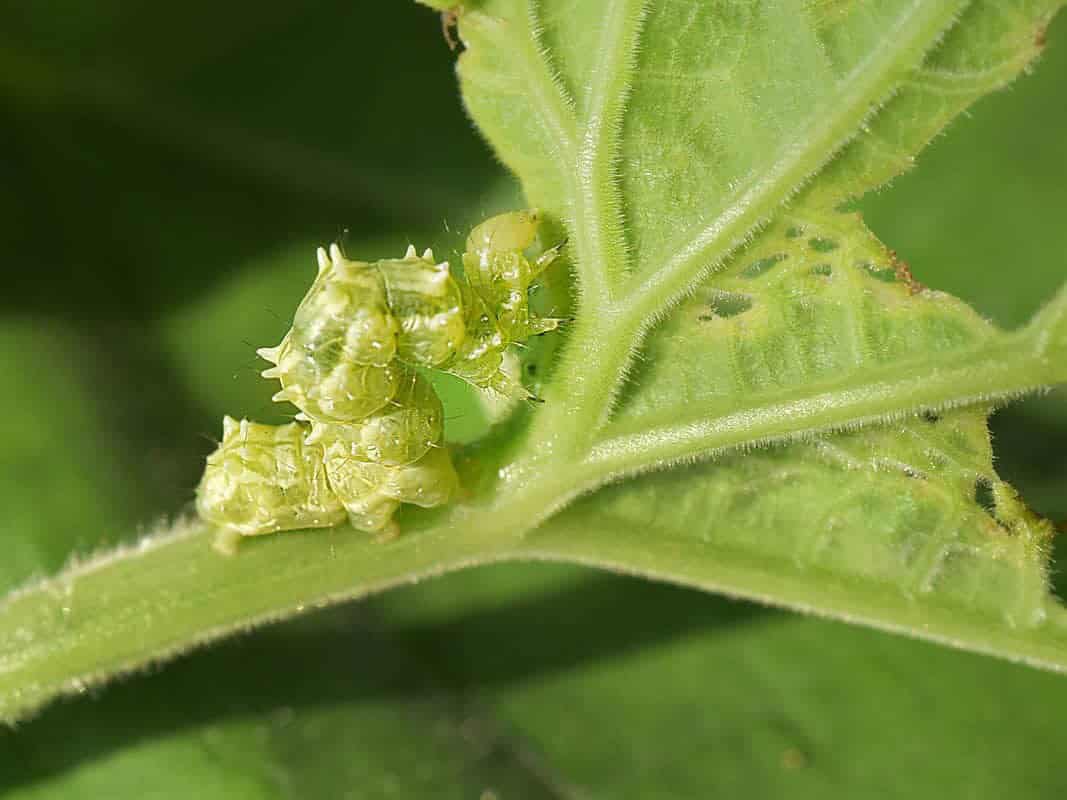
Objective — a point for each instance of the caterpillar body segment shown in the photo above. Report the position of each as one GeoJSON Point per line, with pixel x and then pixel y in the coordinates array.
{"type": "Point", "coordinates": [428, 305]}
{"type": "Point", "coordinates": [347, 392]}
{"type": "Point", "coordinates": [372, 492]}
{"type": "Point", "coordinates": [343, 317]}
{"type": "Point", "coordinates": [336, 363]}
{"type": "Point", "coordinates": [399, 434]}
{"type": "Point", "coordinates": [267, 478]}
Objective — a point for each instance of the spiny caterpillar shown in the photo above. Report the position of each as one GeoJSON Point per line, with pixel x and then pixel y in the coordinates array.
{"type": "Point", "coordinates": [370, 432]}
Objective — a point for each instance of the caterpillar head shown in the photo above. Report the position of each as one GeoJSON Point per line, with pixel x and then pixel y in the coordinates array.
{"type": "Point", "coordinates": [514, 230]}
{"type": "Point", "coordinates": [266, 478]}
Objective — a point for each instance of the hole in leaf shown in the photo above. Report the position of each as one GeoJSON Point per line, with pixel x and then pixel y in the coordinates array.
{"type": "Point", "coordinates": [726, 304]}
{"type": "Point", "coordinates": [823, 269]}
{"type": "Point", "coordinates": [984, 496]}
{"type": "Point", "coordinates": [820, 245]}
{"type": "Point", "coordinates": [883, 274]}
{"type": "Point", "coordinates": [937, 458]}
{"type": "Point", "coordinates": [757, 268]}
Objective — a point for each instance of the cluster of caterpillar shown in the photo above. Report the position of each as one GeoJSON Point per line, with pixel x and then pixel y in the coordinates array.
{"type": "Point", "coordinates": [369, 435]}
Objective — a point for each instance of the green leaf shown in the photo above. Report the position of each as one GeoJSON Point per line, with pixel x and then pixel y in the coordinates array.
{"type": "Point", "coordinates": [300, 712]}
{"type": "Point", "coordinates": [683, 169]}
{"type": "Point", "coordinates": [636, 690]}
{"type": "Point", "coordinates": [700, 153]}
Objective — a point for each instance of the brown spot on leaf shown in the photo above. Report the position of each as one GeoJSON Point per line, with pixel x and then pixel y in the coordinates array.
{"type": "Point", "coordinates": [903, 273]}
{"type": "Point", "coordinates": [449, 19]}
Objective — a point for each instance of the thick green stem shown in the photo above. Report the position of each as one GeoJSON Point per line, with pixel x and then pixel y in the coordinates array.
{"type": "Point", "coordinates": [167, 595]}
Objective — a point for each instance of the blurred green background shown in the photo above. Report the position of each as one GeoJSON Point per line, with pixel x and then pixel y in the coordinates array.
{"type": "Point", "coordinates": [165, 174]}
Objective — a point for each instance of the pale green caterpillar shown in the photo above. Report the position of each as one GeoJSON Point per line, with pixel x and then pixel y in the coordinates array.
{"type": "Point", "coordinates": [370, 430]}
{"type": "Point", "coordinates": [270, 478]}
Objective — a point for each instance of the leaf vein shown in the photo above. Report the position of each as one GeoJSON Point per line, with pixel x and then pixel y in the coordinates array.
{"type": "Point", "coordinates": [599, 222]}
{"type": "Point", "coordinates": [864, 90]}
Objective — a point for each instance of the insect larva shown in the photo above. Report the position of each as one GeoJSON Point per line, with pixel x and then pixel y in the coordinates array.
{"type": "Point", "coordinates": [370, 431]}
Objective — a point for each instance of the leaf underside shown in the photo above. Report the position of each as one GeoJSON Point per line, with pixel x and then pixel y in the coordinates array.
{"type": "Point", "coordinates": [741, 337]}
{"type": "Point", "coordinates": [679, 155]}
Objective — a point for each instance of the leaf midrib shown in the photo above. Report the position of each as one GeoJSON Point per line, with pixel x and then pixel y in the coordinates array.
{"type": "Point", "coordinates": [598, 369]}
{"type": "Point", "coordinates": [831, 126]}
{"type": "Point", "coordinates": [599, 207]}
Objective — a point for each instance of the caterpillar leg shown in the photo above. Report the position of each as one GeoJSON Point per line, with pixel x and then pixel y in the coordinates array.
{"type": "Point", "coordinates": [543, 261]}
{"type": "Point", "coordinates": [540, 325]}
{"type": "Point", "coordinates": [387, 534]}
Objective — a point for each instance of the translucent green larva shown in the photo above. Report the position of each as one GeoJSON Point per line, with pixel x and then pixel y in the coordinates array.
{"type": "Point", "coordinates": [266, 478]}
{"type": "Point", "coordinates": [370, 431]}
